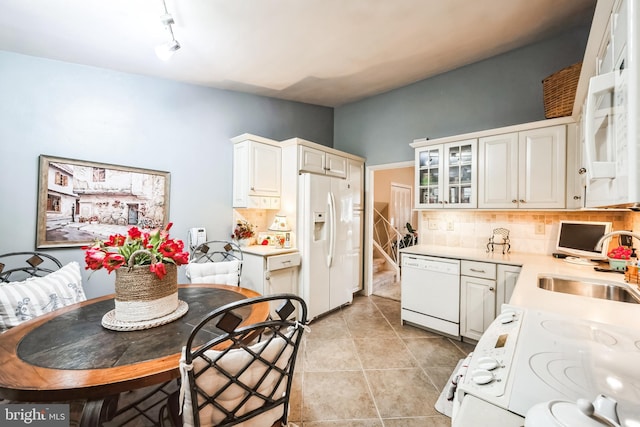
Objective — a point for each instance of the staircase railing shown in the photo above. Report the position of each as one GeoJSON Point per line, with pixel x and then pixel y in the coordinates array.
{"type": "Point", "coordinates": [387, 237]}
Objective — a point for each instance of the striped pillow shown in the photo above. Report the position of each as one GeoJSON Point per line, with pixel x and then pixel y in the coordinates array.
{"type": "Point", "coordinates": [22, 301]}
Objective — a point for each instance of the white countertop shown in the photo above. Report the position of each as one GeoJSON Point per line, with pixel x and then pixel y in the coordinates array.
{"type": "Point", "coordinates": [266, 250]}
{"type": "Point", "coordinates": [527, 293]}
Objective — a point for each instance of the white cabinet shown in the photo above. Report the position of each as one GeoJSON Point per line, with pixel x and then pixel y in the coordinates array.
{"type": "Point", "coordinates": [257, 172]}
{"type": "Point", "coordinates": [355, 182]}
{"type": "Point", "coordinates": [576, 170]}
{"type": "Point", "coordinates": [271, 274]}
{"type": "Point", "coordinates": [477, 297]}
{"type": "Point", "coordinates": [484, 287]}
{"type": "Point", "coordinates": [446, 175]}
{"type": "Point", "coordinates": [524, 169]}
{"type": "Point", "coordinates": [321, 162]}
{"type": "Point", "coordinates": [507, 276]}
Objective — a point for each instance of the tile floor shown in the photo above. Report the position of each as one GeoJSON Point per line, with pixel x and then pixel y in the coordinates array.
{"type": "Point", "coordinates": [359, 367]}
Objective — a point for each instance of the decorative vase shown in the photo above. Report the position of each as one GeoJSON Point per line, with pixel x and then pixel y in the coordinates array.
{"type": "Point", "coordinates": [244, 242]}
{"type": "Point", "coordinates": [141, 295]}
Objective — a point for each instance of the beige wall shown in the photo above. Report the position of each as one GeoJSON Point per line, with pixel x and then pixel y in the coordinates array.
{"type": "Point", "coordinates": [472, 229]}
{"type": "Point", "coordinates": [382, 185]}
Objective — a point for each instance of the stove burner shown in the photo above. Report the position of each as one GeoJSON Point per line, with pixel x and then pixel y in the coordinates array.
{"type": "Point", "coordinates": [581, 332]}
{"type": "Point", "coordinates": [564, 375]}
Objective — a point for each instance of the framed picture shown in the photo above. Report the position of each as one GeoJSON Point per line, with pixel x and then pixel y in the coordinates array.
{"type": "Point", "coordinates": [81, 201]}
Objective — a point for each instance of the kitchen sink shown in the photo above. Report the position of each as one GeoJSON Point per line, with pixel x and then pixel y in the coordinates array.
{"type": "Point", "coordinates": [593, 289]}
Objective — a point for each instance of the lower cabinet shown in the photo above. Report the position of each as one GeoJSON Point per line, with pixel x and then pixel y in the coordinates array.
{"type": "Point", "coordinates": [272, 274]}
{"type": "Point", "coordinates": [484, 287]}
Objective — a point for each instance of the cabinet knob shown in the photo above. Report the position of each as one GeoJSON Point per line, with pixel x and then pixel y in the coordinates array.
{"type": "Point", "coordinates": [577, 197]}
{"type": "Point", "coordinates": [444, 202]}
{"type": "Point", "coordinates": [582, 171]}
{"type": "Point", "coordinates": [514, 201]}
{"type": "Point", "coordinates": [491, 289]}
{"type": "Point", "coordinates": [522, 201]}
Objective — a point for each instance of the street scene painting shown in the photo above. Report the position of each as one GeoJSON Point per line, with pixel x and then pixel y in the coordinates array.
{"type": "Point", "coordinates": [81, 201]}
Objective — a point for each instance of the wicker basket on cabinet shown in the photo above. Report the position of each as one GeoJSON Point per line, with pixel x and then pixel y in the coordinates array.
{"type": "Point", "coordinates": [559, 90]}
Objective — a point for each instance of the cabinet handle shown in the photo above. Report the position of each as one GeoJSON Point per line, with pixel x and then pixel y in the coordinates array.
{"type": "Point", "coordinates": [577, 197]}
{"type": "Point", "coordinates": [477, 271]}
{"type": "Point", "coordinates": [582, 171]}
{"type": "Point", "coordinates": [491, 289]}
{"type": "Point", "coordinates": [522, 201]}
{"type": "Point", "coordinates": [445, 202]}
{"type": "Point", "coordinates": [514, 201]}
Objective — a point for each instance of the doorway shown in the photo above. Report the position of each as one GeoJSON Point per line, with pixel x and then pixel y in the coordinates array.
{"type": "Point", "coordinates": [378, 185]}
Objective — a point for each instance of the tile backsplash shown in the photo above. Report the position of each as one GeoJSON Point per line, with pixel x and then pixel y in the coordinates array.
{"type": "Point", "coordinates": [530, 232]}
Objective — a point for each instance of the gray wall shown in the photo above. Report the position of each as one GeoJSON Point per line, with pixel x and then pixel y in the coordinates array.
{"type": "Point", "coordinates": [67, 110]}
{"type": "Point", "coordinates": [500, 91]}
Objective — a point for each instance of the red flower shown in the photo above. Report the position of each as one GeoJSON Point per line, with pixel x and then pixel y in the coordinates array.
{"type": "Point", "coordinates": [94, 258]}
{"type": "Point", "coordinates": [135, 233]}
{"type": "Point", "coordinates": [115, 240]}
{"type": "Point", "coordinates": [181, 258]}
{"type": "Point", "coordinates": [113, 261]}
{"type": "Point", "coordinates": [159, 269]}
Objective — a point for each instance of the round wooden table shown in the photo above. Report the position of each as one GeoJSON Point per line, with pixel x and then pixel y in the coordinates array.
{"type": "Point", "coordinates": [67, 355]}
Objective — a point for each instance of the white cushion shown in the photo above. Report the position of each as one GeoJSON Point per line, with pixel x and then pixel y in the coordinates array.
{"type": "Point", "coordinates": [221, 273]}
{"type": "Point", "coordinates": [33, 297]}
{"type": "Point", "coordinates": [233, 362]}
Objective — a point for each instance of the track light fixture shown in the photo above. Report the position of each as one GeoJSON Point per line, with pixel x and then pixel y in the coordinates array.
{"type": "Point", "coordinates": [166, 50]}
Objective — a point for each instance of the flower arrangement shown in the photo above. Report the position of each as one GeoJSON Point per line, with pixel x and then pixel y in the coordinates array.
{"type": "Point", "coordinates": [118, 250]}
{"type": "Point", "coordinates": [243, 230]}
{"type": "Point", "coordinates": [621, 252]}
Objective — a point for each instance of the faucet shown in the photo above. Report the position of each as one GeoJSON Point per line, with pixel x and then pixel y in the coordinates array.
{"type": "Point", "coordinates": [615, 233]}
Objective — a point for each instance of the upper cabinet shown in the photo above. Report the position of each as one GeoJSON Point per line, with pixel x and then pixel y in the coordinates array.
{"type": "Point", "coordinates": [321, 162]}
{"type": "Point", "coordinates": [514, 167]}
{"type": "Point", "coordinates": [257, 172]}
{"type": "Point", "coordinates": [523, 169]}
{"type": "Point", "coordinates": [446, 175]}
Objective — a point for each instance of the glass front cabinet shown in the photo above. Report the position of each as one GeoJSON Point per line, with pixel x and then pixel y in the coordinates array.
{"type": "Point", "coordinates": [446, 175]}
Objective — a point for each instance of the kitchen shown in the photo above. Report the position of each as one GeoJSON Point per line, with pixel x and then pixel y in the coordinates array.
{"type": "Point", "coordinates": [75, 126]}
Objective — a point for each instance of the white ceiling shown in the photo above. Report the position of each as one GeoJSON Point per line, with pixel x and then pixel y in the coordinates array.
{"type": "Point", "coordinates": [325, 52]}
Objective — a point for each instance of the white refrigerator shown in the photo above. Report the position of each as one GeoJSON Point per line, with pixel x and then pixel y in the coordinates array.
{"type": "Point", "coordinates": [328, 242]}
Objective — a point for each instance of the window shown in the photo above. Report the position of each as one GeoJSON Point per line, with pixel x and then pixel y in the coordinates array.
{"type": "Point", "coordinates": [53, 203]}
{"type": "Point", "coordinates": [61, 179]}
{"type": "Point", "coordinates": [99, 174]}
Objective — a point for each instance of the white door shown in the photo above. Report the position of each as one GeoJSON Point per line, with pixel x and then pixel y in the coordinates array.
{"type": "Point", "coordinates": [498, 171]}
{"type": "Point", "coordinates": [542, 167]}
{"type": "Point", "coordinates": [477, 306]}
{"type": "Point", "coordinates": [315, 242]}
{"type": "Point", "coordinates": [400, 207]}
{"type": "Point", "coordinates": [342, 247]}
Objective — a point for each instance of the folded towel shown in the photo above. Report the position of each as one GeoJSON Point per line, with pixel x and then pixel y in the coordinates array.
{"type": "Point", "coordinates": [457, 377]}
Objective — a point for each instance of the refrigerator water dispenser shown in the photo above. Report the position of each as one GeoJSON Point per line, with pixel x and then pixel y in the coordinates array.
{"type": "Point", "coordinates": [318, 226]}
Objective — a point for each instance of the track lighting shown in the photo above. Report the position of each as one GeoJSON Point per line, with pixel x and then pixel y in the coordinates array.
{"type": "Point", "coordinates": [166, 50]}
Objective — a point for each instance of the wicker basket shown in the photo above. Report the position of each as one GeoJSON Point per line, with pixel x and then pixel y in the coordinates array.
{"type": "Point", "coordinates": [142, 296]}
{"type": "Point", "coordinates": [559, 91]}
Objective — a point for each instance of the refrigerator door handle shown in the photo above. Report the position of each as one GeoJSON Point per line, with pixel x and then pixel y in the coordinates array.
{"type": "Point", "coordinates": [332, 229]}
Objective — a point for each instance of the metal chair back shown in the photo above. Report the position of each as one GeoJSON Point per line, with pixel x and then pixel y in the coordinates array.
{"type": "Point", "coordinates": [17, 266]}
{"type": "Point", "coordinates": [245, 372]}
{"type": "Point", "coordinates": [215, 251]}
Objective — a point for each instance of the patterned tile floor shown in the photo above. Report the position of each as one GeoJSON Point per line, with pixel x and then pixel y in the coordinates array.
{"type": "Point", "coordinates": [359, 367]}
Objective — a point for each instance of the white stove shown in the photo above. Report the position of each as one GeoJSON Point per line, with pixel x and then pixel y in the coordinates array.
{"type": "Point", "coordinates": [527, 357]}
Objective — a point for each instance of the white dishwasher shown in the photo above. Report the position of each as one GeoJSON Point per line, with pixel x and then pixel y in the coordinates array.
{"type": "Point", "coordinates": [430, 295]}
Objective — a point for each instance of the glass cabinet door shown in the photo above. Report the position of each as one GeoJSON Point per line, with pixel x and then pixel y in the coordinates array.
{"type": "Point", "coordinates": [461, 170]}
{"type": "Point", "coordinates": [429, 180]}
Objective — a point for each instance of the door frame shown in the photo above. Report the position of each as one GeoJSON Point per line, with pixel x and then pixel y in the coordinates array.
{"type": "Point", "coordinates": [367, 289]}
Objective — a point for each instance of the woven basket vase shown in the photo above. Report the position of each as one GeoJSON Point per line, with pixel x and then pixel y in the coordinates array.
{"type": "Point", "coordinates": [142, 296]}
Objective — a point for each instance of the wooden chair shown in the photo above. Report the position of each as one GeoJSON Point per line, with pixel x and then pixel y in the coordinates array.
{"type": "Point", "coordinates": [236, 378]}
{"type": "Point", "coordinates": [216, 261]}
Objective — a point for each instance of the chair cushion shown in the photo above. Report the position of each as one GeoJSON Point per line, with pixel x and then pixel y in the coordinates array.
{"type": "Point", "coordinates": [233, 362]}
{"type": "Point", "coordinates": [222, 273]}
{"type": "Point", "coordinates": [22, 301]}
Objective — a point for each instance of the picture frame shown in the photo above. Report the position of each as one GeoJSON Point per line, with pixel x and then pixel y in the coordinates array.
{"type": "Point", "coordinates": [81, 201]}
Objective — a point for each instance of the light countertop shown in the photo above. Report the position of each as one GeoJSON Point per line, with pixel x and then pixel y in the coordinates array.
{"type": "Point", "coordinates": [527, 293]}
{"type": "Point", "coordinates": [266, 250]}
